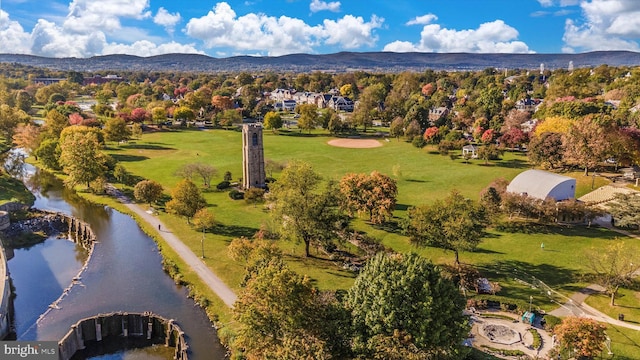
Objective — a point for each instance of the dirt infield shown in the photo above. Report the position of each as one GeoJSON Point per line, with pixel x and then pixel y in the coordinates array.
{"type": "Point", "coordinates": [355, 143]}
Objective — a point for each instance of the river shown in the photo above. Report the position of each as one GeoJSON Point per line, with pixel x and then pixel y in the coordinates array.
{"type": "Point", "coordinates": [123, 274]}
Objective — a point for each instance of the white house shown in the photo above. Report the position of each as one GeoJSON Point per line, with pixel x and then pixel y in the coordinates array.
{"type": "Point", "coordinates": [541, 184]}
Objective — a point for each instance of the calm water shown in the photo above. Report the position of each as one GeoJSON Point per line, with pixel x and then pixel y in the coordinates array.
{"type": "Point", "coordinates": [123, 274]}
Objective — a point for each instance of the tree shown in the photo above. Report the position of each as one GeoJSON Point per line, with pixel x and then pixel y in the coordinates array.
{"type": "Point", "coordinates": [80, 155]}
{"type": "Point", "coordinates": [205, 171]}
{"type": "Point", "coordinates": [54, 123]}
{"type": "Point", "coordinates": [308, 119]}
{"type": "Point", "coordinates": [272, 120]}
{"type": "Point", "coordinates": [282, 316]}
{"type": "Point", "coordinates": [48, 152]}
{"type": "Point", "coordinates": [625, 209]}
{"type": "Point", "coordinates": [546, 150]}
{"type": "Point", "coordinates": [412, 130]}
{"type": "Point", "coordinates": [183, 113]}
{"type": "Point", "coordinates": [186, 200]}
{"type": "Point", "coordinates": [455, 223]}
{"type": "Point", "coordinates": [581, 336]}
{"type": "Point", "coordinates": [304, 211]}
{"type": "Point", "coordinates": [488, 152]}
{"type": "Point", "coordinates": [254, 195]}
{"type": "Point", "coordinates": [140, 115]}
{"type": "Point", "coordinates": [115, 129]}
{"type": "Point", "coordinates": [397, 128]}
{"type": "Point", "coordinates": [408, 294]}
{"type": "Point", "coordinates": [27, 137]}
{"type": "Point", "coordinates": [148, 191]}
{"type": "Point", "coordinates": [204, 220]}
{"type": "Point", "coordinates": [613, 267]}
{"type": "Point", "coordinates": [9, 119]}
{"type": "Point", "coordinates": [229, 117]}
{"type": "Point", "coordinates": [586, 143]}
{"type": "Point", "coordinates": [373, 194]}
{"type": "Point", "coordinates": [159, 114]}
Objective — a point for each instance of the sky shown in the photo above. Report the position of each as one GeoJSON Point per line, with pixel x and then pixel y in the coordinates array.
{"type": "Point", "coordinates": [85, 28]}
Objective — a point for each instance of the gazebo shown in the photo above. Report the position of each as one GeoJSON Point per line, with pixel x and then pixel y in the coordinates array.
{"type": "Point", "coordinates": [470, 149]}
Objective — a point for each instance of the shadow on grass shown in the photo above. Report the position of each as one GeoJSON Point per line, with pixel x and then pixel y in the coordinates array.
{"type": "Point", "coordinates": [402, 207]}
{"type": "Point", "coordinates": [415, 181]}
{"type": "Point", "coordinates": [129, 158]}
{"type": "Point", "coordinates": [146, 147]}
{"type": "Point", "coordinates": [529, 273]}
{"type": "Point", "coordinates": [234, 231]}
{"type": "Point", "coordinates": [514, 164]}
{"type": "Point", "coordinates": [389, 226]}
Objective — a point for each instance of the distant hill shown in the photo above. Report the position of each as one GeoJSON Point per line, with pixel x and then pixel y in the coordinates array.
{"type": "Point", "coordinates": [338, 62]}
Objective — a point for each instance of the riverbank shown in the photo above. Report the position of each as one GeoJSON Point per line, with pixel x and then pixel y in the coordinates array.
{"type": "Point", "coordinates": [218, 310]}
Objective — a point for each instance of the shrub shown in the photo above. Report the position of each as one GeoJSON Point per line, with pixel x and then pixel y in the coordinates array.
{"type": "Point", "coordinates": [537, 340]}
{"type": "Point", "coordinates": [236, 194]}
{"type": "Point", "coordinates": [419, 142]}
{"type": "Point", "coordinates": [550, 322]}
{"type": "Point", "coordinates": [223, 185]}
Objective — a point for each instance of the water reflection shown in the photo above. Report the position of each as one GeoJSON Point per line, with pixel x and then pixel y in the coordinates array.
{"type": "Point", "coordinates": [124, 274]}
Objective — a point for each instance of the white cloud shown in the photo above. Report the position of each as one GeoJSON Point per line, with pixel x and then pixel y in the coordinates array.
{"type": "Point", "coordinates": [13, 36]}
{"type": "Point", "coordinates": [352, 32]}
{"type": "Point", "coordinates": [104, 15]}
{"type": "Point", "coordinates": [147, 48]}
{"type": "Point", "coordinates": [491, 37]}
{"type": "Point", "coordinates": [561, 3]}
{"type": "Point", "coordinates": [51, 40]}
{"type": "Point", "coordinates": [605, 25]}
{"type": "Point", "coordinates": [318, 5]}
{"type": "Point", "coordinates": [423, 20]}
{"type": "Point", "coordinates": [167, 19]}
{"type": "Point", "coordinates": [274, 36]}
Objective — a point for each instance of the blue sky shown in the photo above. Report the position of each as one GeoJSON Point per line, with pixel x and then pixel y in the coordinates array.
{"type": "Point", "coordinates": [83, 28]}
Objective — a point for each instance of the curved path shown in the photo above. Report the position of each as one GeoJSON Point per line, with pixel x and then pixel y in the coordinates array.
{"type": "Point", "coordinates": [576, 306]}
{"type": "Point", "coordinates": [206, 275]}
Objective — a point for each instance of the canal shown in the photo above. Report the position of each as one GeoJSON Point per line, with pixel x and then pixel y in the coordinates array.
{"type": "Point", "coordinates": [124, 273]}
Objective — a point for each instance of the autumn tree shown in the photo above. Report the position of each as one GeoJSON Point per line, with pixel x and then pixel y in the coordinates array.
{"type": "Point", "coordinates": [80, 155]}
{"type": "Point", "coordinates": [613, 267]}
{"type": "Point", "coordinates": [373, 194]}
{"type": "Point", "coordinates": [115, 129]}
{"type": "Point", "coordinates": [158, 114]}
{"type": "Point", "coordinates": [586, 144]}
{"type": "Point", "coordinates": [272, 120]}
{"type": "Point", "coordinates": [204, 220]}
{"type": "Point", "coordinates": [406, 293]}
{"type": "Point", "coordinates": [54, 122]}
{"type": "Point", "coordinates": [186, 200]}
{"type": "Point", "coordinates": [27, 137]}
{"type": "Point", "coordinates": [183, 113]}
{"type": "Point", "coordinates": [281, 315]}
{"type": "Point", "coordinates": [580, 336]}
{"type": "Point", "coordinates": [228, 117]}
{"type": "Point", "coordinates": [48, 152]}
{"type": "Point", "coordinates": [308, 119]}
{"type": "Point", "coordinates": [304, 210]}
{"type": "Point", "coordinates": [10, 117]}
{"type": "Point", "coordinates": [455, 223]}
{"type": "Point", "coordinates": [148, 191]}
{"type": "Point", "coordinates": [547, 150]}
{"type": "Point", "coordinates": [369, 105]}
{"type": "Point", "coordinates": [396, 129]}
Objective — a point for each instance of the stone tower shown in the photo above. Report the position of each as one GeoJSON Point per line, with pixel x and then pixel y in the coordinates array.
{"type": "Point", "coordinates": [253, 174]}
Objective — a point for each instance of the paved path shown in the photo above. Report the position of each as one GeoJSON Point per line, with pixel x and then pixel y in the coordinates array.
{"type": "Point", "coordinates": [576, 306]}
{"type": "Point", "coordinates": [206, 275]}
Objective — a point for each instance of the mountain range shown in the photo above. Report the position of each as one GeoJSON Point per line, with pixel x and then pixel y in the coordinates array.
{"type": "Point", "coordinates": [338, 62]}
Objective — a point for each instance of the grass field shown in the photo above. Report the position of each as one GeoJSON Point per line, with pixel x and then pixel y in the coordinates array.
{"type": "Point", "coordinates": [512, 259]}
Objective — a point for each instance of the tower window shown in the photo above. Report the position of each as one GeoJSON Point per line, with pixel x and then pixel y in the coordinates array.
{"type": "Point", "coordinates": [254, 139]}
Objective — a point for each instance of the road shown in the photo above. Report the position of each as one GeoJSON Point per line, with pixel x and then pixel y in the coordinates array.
{"type": "Point", "coordinates": [192, 260]}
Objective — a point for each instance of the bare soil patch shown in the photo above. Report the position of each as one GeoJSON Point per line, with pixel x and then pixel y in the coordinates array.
{"type": "Point", "coordinates": [355, 143]}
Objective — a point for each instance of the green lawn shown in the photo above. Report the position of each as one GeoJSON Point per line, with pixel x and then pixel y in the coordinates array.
{"type": "Point", "coordinates": [13, 190]}
{"type": "Point", "coordinates": [515, 260]}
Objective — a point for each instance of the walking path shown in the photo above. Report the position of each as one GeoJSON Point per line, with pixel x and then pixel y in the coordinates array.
{"type": "Point", "coordinates": [206, 275]}
{"type": "Point", "coordinates": [576, 306]}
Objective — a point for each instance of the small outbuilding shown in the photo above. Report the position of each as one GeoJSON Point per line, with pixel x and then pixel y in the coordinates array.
{"type": "Point", "coordinates": [470, 151]}
{"type": "Point", "coordinates": [542, 184]}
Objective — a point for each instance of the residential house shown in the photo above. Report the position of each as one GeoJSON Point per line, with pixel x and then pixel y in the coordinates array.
{"type": "Point", "coordinates": [438, 113]}
{"type": "Point", "coordinates": [340, 103]}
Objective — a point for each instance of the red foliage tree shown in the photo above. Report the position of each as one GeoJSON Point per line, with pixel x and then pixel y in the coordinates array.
{"type": "Point", "coordinates": [139, 115]}
{"type": "Point", "coordinates": [427, 89]}
{"type": "Point", "coordinates": [75, 119]}
{"type": "Point", "coordinates": [488, 136]}
{"type": "Point", "coordinates": [430, 133]}
{"type": "Point", "coordinates": [513, 137]}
